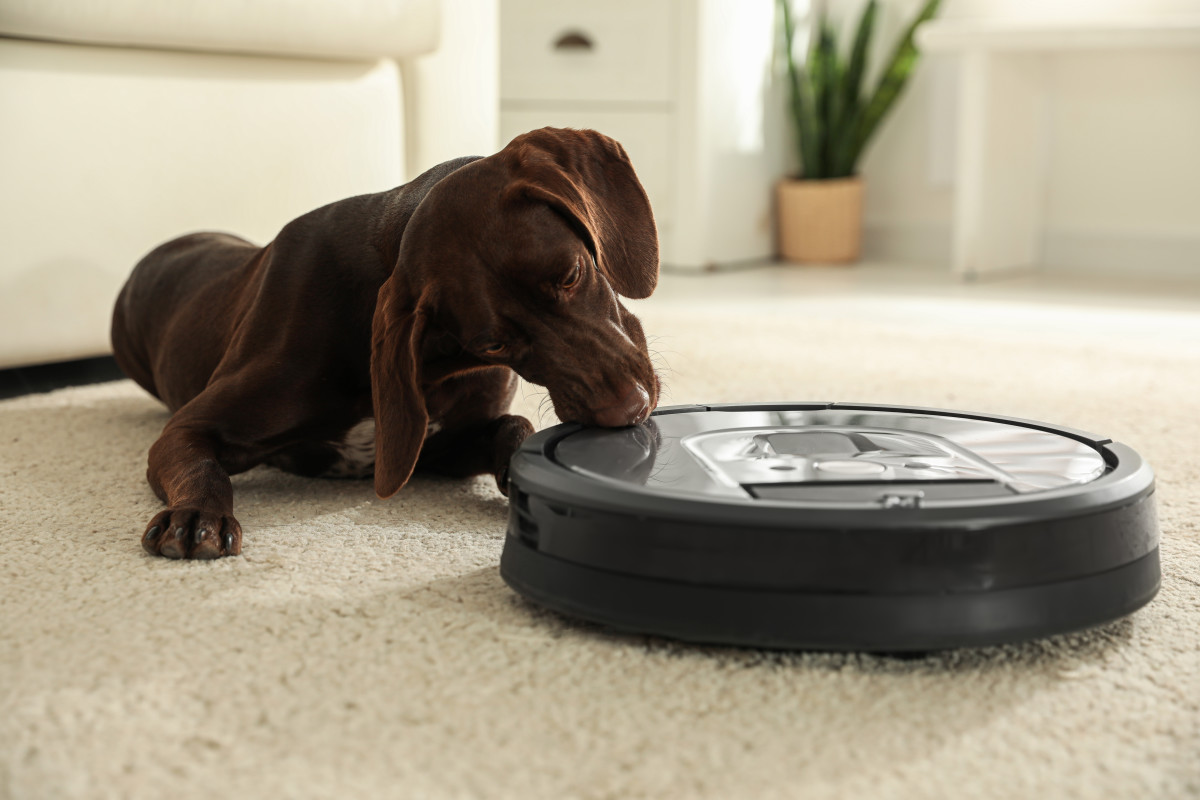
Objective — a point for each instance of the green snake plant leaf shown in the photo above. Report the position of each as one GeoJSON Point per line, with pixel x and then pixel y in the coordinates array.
{"type": "Point", "coordinates": [834, 118]}
{"type": "Point", "coordinates": [803, 112]}
{"type": "Point", "coordinates": [891, 84]}
{"type": "Point", "coordinates": [824, 74]}
{"type": "Point", "coordinates": [852, 91]}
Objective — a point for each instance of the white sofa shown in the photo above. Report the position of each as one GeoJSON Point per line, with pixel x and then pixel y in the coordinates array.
{"type": "Point", "coordinates": [128, 122]}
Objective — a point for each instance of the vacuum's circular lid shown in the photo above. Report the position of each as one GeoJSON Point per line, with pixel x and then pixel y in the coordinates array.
{"type": "Point", "coordinates": [849, 457]}
{"type": "Point", "coordinates": [830, 500]}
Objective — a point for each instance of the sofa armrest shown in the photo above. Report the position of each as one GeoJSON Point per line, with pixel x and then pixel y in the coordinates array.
{"type": "Point", "coordinates": [344, 29]}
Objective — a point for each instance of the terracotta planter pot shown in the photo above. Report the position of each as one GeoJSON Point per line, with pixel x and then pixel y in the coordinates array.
{"type": "Point", "coordinates": [820, 221]}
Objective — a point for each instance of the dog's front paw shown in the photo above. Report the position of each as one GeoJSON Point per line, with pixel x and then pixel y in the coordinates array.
{"type": "Point", "coordinates": [192, 533]}
{"type": "Point", "coordinates": [510, 433]}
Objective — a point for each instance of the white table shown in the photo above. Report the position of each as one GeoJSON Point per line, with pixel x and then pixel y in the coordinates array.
{"type": "Point", "coordinates": [1002, 122]}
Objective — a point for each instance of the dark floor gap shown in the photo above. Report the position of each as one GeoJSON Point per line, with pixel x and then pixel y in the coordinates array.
{"type": "Point", "coordinates": [38, 378]}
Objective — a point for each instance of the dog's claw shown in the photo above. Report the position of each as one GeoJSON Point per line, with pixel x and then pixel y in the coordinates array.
{"type": "Point", "coordinates": [191, 533]}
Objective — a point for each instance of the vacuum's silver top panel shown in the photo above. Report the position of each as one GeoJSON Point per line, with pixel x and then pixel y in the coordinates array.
{"type": "Point", "coordinates": [834, 454]}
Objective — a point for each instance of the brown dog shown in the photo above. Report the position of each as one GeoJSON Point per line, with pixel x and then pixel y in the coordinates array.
{"type": "Point", "coordinates": [386, 331]}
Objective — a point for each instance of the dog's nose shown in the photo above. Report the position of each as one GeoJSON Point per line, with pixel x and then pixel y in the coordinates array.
{"type": "Point", "coordinates": [632, 408]}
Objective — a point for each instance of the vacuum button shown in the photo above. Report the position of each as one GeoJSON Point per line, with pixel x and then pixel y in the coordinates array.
{"type": "Point", "coordinates": [901, 499]}
{"type": "Point", "coordinates": [848, 467]}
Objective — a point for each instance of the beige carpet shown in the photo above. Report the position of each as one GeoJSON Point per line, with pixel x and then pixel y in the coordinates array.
{"type": "Point", "coordinates": [367, 648]}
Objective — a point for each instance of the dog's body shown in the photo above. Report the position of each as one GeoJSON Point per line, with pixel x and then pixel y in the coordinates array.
{"type": "Point", "coordinates": [385, 332]}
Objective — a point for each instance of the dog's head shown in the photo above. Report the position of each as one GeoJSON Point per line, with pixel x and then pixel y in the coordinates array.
{"type": "Point", "coordinates": [517, 260]}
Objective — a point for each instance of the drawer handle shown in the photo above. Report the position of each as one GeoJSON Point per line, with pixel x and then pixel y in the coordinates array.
{"type": "Point", "coordinates": [574, 41]}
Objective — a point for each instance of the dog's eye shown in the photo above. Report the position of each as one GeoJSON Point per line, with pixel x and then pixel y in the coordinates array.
{"type": "Point", "coordinates": [495, 349]}
{"type": "Point", "coordinates": [573, 277]}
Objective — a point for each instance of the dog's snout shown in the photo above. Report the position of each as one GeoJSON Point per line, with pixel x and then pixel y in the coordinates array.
{"type": "Point", "coordinates": [632, 408]}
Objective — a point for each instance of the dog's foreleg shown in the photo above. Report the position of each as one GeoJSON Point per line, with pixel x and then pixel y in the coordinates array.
{"type": "Point", "coordinates": [221, 431]}
{"type": "Point", "coordinates": [476, 450]}
{"type": "Point", "coordinates": [184, 471]}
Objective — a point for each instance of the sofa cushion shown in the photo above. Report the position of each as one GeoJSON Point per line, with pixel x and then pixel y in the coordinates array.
{"type": "Point", "coordinates": [352, 29]}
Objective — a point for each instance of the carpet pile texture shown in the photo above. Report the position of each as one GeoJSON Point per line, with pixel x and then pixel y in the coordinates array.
{"type": "Point", "coordinates": [369, 648]}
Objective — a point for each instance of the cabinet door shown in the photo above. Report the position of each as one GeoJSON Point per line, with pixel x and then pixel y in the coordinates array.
{"type": "Point", "coordinates": [646, 136]}
{"type": "Point", "coordinates": [612, 51]}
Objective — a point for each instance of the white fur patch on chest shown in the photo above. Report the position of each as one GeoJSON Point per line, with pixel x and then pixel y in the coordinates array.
{"type": "Point", "coordinates": [356, 452]}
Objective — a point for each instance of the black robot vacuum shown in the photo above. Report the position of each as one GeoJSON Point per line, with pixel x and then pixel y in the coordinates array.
{"type": "Point", "coordinates": [832, 526]}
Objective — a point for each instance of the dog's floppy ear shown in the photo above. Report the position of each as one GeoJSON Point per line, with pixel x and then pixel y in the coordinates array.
{"type": "Point", "coordinates": [587, 177]}
{"type": "Point", "coordinates": [400, 415]}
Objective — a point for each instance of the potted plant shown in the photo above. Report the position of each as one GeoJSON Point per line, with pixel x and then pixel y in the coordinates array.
{"type": "Point", "coordinates": [820, 210]}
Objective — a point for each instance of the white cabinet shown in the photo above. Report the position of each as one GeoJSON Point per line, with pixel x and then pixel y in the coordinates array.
{"type": "Point", "coordinates": [684, 85]}
{"type": "Point", "coordinates": [1004, 97]}
{"type": "Point", "coordinates": [619, 51]}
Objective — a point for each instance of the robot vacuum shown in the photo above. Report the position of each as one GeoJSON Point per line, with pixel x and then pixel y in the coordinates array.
{"type": "Point", "coordinates": [832, 526]}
